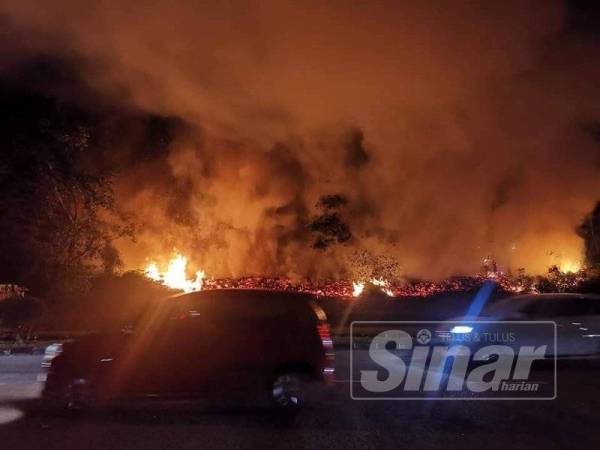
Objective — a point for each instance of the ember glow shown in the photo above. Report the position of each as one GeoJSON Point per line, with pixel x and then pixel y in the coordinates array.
{"type": "Point", "coordinates": [565, 277]}
{"type": "Point", "coordinates": [384, 286]}
{"type": "Point", "coordinates": [175, 277]}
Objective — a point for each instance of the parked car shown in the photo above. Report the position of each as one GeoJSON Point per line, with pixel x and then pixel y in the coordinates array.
{"type": "Point", "coordinates": [51, 352]}
{"type": "Point", "coordinates": [208, 344]}
{"type": "Point", "coordinates": [577, 318]}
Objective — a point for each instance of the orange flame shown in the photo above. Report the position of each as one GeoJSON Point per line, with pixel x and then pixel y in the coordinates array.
{"type": "Point", "coordinates": [384, 285]}
{"type": "Point", "coordinates": [175, 276]}
{"type": "Point", "coordinates": [357, 288]}
{"type": "Point", "coordinates": [569, 266]}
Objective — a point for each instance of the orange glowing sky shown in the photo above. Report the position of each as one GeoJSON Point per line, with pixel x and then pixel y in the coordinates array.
{"type": "Point", "coordinates": [448, 126]}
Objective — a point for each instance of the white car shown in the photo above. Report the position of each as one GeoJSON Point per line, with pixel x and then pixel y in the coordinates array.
{"type": "Point", "coordinates": [51, 352]}
{"type": "Point", "coordinates": [577, 318]}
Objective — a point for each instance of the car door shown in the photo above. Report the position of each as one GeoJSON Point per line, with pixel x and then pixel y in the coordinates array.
{"type": "Point", "coordinates": [570, 315]}
{"type": "Point", "coordinates": [148, 364]}
{"type": "Point", "coordinates": [194, 346]}
{"type": "Point", "coordinates": [572, 319]}
{"type": "Point", "coordinates": [588, 327]}
{"type": "Point", "coordinates": [237, 334]}
{"type": "Point", "coordinates": [528, 337]}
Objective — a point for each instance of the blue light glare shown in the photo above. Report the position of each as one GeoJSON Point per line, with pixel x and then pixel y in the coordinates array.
{"type": "Point", "coordinates": [481, 298]}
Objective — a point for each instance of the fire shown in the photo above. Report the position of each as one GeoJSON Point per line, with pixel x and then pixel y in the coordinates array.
{"type": "Point", "coordinates": [564, 277]}
{"type": "Point", "coordinates": [357, 288]}
{"type": "Point", "coordinates": [384, 285]}
{"type": "Point", "coordinates": [175, 276]}
{"type": "Point", "coordinates": [569, 266]}
{"type": "Point", "coordinates": [152, 272]}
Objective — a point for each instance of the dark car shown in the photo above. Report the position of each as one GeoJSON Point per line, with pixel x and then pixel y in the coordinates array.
{"type": "Point", "coordinates": [202, 345]}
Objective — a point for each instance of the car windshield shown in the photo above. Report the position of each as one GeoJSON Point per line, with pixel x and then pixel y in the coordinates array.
{"type": "Point", "coordinates": [505, 306]}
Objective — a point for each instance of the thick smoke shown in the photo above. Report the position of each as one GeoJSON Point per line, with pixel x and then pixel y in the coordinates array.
{"type": "Point", "coordinates": [454, 130]}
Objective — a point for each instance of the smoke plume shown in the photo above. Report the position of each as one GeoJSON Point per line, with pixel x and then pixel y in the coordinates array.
{"type": "Point", "coordinates": [453, 130]}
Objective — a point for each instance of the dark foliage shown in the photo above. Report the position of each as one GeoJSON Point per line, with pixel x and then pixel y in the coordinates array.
{"type": "Point", "coordinates": [329, 226]}
{"type": "Point", "coordinates": [589, 230]}
{"type": "Point", "coordinates": [332, 201]}
{"type": "Point", "coordinates": [19, 310]}
{"type": "Point", "coordinates": [58, 216]}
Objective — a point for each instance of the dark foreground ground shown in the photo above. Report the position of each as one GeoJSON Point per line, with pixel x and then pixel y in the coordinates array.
{"type": "Point", "coordinates": [571, 421]}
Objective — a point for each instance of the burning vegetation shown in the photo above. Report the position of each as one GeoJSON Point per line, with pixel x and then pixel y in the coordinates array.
{"type": "Point", "coordinates": [566, 279]}
{"type": "Point", "coordinates": [175, 276]}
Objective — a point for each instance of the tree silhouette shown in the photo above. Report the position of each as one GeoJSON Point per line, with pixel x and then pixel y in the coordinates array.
{"type": "Point", "coordinates": [329, 226]}
{"type": "Point", "coordinates": [57, 212]}
{"type": "Point", "coordinates": [589, 231]}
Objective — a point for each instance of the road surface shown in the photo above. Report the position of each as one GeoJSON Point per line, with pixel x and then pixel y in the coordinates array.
{"type": "Point", "coordinates": [571, 421]}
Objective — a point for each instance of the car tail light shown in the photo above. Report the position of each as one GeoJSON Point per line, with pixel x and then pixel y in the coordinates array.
{"type": "Point", "coordinates": [325, 336]}
{"type": "Point", "coordinates": [328, 368]}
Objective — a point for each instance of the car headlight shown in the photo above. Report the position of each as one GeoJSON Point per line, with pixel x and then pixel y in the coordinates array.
{"type": "Point", "coordinates": [51, 352]}
{"type": "Point", "coordinates": [461, 329]}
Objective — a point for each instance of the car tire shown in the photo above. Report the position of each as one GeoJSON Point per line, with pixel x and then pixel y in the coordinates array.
{"type": "Point", "coordinates": [288, 391]}
{"type": "Point", "coordinates": [78, 395]}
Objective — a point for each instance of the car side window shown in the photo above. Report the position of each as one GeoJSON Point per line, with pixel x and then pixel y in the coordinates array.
{"type": "Point", "coordinates": [593, 306]}
{"type": "Point", "coordinates": [575, 307]}
{"type": "Point", "coordinates": [186, 311]}
{"type": "Point", "coordinates": [557, 308]}
{"type": "Point", "coordinates": [536, 309]}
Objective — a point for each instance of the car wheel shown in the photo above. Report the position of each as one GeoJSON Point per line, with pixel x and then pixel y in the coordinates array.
{"type": "Point", "coordinates": [78, 395]}
{"type": "Point", "coordinates": [288, 391]}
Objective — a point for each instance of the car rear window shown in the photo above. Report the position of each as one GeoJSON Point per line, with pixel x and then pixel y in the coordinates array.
{"type": "Point", "coordinates": [558, 307]}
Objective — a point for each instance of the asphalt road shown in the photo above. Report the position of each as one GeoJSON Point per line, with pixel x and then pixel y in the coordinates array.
{"type": "Point", "coordinates": [571, 421]}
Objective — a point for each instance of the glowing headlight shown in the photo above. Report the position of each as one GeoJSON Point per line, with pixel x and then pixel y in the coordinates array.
{"type": "Point", "coordinates": [461, 329]}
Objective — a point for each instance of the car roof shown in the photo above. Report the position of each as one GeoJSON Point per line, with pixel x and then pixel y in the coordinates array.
{"type": "Point", "coordinates": [552, 296]}
{"type": "Point", "coordinates": [248, 302]}
{"type": "Point", "coordinates": [518, 301]}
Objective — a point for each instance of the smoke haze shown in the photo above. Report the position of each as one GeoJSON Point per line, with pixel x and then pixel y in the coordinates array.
{"type": "Point", "coordinates": [455, 130]}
